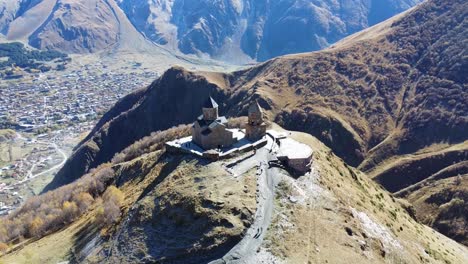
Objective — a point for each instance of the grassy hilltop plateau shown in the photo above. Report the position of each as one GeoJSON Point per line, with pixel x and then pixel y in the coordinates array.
{"type": "Point", "coordinates": [385, 111]}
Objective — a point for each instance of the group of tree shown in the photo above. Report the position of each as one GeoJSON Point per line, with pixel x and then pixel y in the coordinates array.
{"type": "Point", "coordinates": [151, 143]}
{"type": "Point", "coordinates": [19, 56]}
{"type": "Point", "coordinates": [55, 209]}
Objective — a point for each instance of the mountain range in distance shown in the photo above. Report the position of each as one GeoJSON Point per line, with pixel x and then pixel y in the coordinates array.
{"type": "Point", "coordinates": [383, 100]}
{"type": "Point", "coordinates": [384, 110]}
{"type": "Point", "coordinates": [235, 31]}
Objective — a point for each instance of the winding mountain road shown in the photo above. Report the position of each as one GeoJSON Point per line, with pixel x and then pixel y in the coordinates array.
{"type": "Point", "coordinates": [29, 176]}
{"type": "Point", "coordinates": [56, 167]}
{"type": "Point", "coordinates": [267, 179]}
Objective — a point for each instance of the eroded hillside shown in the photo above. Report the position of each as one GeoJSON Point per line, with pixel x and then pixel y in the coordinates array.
{"type": "Point", "coordinates": [181, 209]}
{"type": "Point", "coordinates": [390, 96]}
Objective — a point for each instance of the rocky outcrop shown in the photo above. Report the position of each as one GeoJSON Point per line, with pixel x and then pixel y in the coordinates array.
{"type": "Point", "coordinates": [257, 30]}
{"type": "Point", "coordinates": [235, 31]}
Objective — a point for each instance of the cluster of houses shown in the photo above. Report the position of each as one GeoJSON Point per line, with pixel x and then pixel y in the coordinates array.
{"type": "Point", "coordinates": [64, 100]}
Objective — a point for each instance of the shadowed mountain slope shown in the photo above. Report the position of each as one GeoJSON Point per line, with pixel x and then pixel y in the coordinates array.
{"type": "Point", "coordinates": [387, 100]}
{"type": "Point", "coordinates": [244, 30]}
{"type": "Point", "coordinates": [234, 31]}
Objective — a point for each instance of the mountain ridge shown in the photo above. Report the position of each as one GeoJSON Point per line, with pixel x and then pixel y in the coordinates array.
{"type": "Point", "coordinates": [251, 29]}
{"type": "Point", "coordinates": [371, 102]}
{"type": "Point", "coordinates": [379, 111]}
{"type": "Point", "coordinates": [238, 32]}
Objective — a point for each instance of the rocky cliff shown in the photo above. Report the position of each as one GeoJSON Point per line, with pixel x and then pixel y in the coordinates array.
{"type": "Point", "coordinates": [255, 30]}
{"type": "Point", "coordinates": [235, 31]}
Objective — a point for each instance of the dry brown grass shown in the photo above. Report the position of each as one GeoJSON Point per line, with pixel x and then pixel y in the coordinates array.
{"type": "Point", "coordinates": [47, 213]}
{"type": "Point", "coordinates": [330, 232]}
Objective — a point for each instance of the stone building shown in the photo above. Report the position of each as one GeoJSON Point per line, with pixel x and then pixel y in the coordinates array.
{"type": "Point", "coordinates": [295, 155]}
{"type": "Point", "coordinates": [256, 126]}
{"type": "Point", "coordinates": [210, 130]}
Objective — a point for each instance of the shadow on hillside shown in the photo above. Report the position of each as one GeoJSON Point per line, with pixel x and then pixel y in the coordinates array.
{"type": "Point", "coordinates": [85, 241]}
{"type": "Point", "coordinates": [181, 234]}
{"type": "Point", "coordinates": [173, 162]}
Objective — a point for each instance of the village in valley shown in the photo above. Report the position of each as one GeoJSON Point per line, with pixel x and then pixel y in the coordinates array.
{"type": "Point", "coordinates": [48, 114]}
{"type": "Point", "coordinates": [46, 101]}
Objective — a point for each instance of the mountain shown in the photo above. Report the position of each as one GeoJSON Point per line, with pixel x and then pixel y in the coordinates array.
{"type": "Point", "coordinates": [162, 207]}
{"type": "Point", "coordinates": [70, 26]}
{"type": "Point", "coordinates": [96, 29]}
{"type": "Point", "coordinates": [255, 30]}
{"type": "Point", "coordinates": [389, 100]}
{"type": "Point", "coordinates": [236, 31]}
{"type": "Point", "coordinates": [383, 108]}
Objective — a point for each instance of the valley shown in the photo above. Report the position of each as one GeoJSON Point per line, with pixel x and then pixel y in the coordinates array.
{"type": "Point", "coordinates": [147, 148]}
{"type": "Point", "coordinates": [28, 162]}
{"type": "Point", "coordinates": [339, 212]}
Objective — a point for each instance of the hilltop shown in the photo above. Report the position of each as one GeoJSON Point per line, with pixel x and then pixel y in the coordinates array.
{"type": "Point", "coordinates": [379, 99]}
{"type": "Point", "coordinates": [183, 209]}
{"type": "Point", "coordinates": [387, 103]}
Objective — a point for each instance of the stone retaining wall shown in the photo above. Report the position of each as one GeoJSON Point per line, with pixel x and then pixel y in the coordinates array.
{"type": "Point", "coordinates": [218, 156]}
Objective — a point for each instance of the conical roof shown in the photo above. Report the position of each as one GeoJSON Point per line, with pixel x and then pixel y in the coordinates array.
{"type": "Point", "coordinates": [210, 103]}
{"type": "Point", "coordinates": [255, 107]}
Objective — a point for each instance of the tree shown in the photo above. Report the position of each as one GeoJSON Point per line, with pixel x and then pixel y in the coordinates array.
{"type": "Point", "coordinates": [114, 195]}
{"type": "Point", "coordinates": [35, 228]}
{"type": "Point", "coordinates": [70, 211]}
{"type": "Point", "coordinates": [83, 201]}
{"type": "Point", "coordinates": [3, 247]}
{"type": "Point", "coordinates": [109, 212]}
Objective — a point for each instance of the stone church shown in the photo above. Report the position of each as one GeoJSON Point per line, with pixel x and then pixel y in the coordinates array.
{"type": "Point", "coordinates": [210, 130]}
